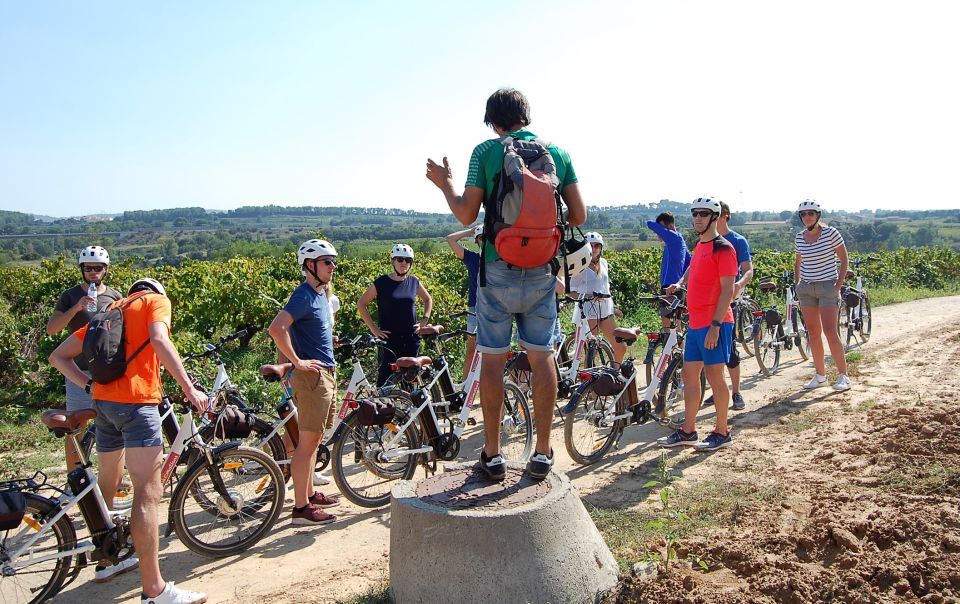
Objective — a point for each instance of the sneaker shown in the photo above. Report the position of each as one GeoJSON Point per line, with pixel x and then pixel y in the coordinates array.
{"type": "Point", "coordinates": [175, 595]}
{"type": "Point", "coordinates": [708, 401]}
{"type": "Point", "coordinates": [102, 574]}
{"type": "Point", "coordinates": [320, 479]}
{"type": "Point", "coordinates": [738, 402]}
{"type": "Point", "coordinates": [311, 514]}
{"type": "Point", "coordinates": [323, 501]}
{"type": "Point", "coordinates": [714, 441]}
{"type": "Point", "coordinates": [494, 467]}
{"type": "Point", "coordinates": [818, 381]}
{"type": "Point", "coordinates": [539, 465]}
{"type": "Point", "coordinates": [678, 438]}
{"type": "Point", "coordinates": [842, 383]}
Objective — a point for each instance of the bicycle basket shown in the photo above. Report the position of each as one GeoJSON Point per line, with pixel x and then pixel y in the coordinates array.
{"type": "Point", "coordinates": [375, 411]}
{"type": "Point", "coordinates": [609, 383]}
{"type": "Point", "coordinates": [852, 298]}
{"type": "Point", "coordinates": [232, 423]}
{"type": "Point", "coordinates": [13, 505]}
{"type": "Point", "coordinates": [772, 317]}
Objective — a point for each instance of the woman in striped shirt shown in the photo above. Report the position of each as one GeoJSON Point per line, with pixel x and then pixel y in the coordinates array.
{"type": "Point", "coordinates": [818, 289]}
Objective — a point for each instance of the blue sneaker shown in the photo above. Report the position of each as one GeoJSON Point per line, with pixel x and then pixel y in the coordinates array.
{"type": "Point", "coordinates": [678, 439]}
{"type": "Point", "coordinates": [714, 441]}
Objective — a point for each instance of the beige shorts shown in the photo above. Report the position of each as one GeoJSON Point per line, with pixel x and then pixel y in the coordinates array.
{"type": "Point", "coordinates": [313, 394]}
{"type": "Point", "coordinates": [817, 293]}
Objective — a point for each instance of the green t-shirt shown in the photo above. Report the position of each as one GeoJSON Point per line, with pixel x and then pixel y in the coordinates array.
{"type": "Point", "coordinates": [486, 162]}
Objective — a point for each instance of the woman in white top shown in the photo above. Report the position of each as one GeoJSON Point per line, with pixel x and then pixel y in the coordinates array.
{"type": "Point", "coordinates": [818, 288]}
{"type": "Point", "coordinates": [597, 280]}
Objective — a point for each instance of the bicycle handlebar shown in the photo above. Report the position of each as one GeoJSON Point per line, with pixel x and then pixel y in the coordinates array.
{"type": "Point", "coordinates": [212, 349]}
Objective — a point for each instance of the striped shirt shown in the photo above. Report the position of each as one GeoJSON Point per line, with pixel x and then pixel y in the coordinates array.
{"type": "Point", "coordinates": [818, 260]}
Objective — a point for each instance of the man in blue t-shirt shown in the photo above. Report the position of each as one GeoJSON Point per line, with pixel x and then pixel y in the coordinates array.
{"type": "Point", "coordinates": [511, 293]}
{"type": "Point", "coordinates": [303, 332]}
{"type": "Point", "coordinates": [471, 260]}
{"type": "Point", "coordinates": [744, 261]}
{"type": "Point", "coordinates": [676, 256]}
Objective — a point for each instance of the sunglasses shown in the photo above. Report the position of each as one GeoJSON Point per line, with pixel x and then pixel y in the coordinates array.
{"type": "Point", "coordinates": [701, 213]}
{"type": "Point", "coordinates": [89, 268]}
{"type": "Point", "coordinates": [808, 213]}
{"type": "Point", "coordinates": [327, 261]}
{"type": "Point", "coordinates": [404, 260]}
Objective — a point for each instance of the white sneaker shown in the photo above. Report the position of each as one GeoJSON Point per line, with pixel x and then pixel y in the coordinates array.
{"type": "Point", "coordinates": [842, 383]}
{"type": "Point", "coordinates": [818, 381]}
{"type": "Point", "coordinates": [175, 595]}
{"type": "Point", "coordinates": [319, 479]}
{"type": "Point", "coordinates": [104, 574]}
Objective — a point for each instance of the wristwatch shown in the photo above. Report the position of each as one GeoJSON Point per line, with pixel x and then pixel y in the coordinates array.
{"type": "Point", "coordinates": [715, 323]}
{"type": "Point", "coordinates": [88, 386]}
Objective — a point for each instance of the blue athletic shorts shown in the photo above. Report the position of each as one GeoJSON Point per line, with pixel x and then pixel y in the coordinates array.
{"type": "Point", "coordinates": [694, 350]}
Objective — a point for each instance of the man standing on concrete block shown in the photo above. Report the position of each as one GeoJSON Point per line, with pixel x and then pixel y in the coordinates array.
{"type": "Point", "coordinates": [508, 292]}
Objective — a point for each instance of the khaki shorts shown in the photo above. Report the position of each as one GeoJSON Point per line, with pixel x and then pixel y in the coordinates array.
{"type": "Point", "coordinates": [313, 394]}
{"type": "Point", "coordinates": [818, 293]}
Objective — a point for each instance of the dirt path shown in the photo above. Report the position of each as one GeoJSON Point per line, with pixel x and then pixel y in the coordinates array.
{"type": "Point", "coordinates": [832, 526]}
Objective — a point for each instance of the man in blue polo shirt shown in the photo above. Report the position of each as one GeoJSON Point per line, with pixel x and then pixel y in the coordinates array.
{"type": "Point", "coordinates": [676, 256]}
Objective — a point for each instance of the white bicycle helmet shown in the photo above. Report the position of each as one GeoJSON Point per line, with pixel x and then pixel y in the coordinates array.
{"type": "Point", "coordinates": [401, 250]}
{"type": "Point", "coordinates": [578, 257]}
{"type": "Point", "coordinates": [147, 283]}
{"type": "Point", "coordinates": [477, 231]}
{"type": "Point", "coordinates": [314, 248]}
{"type": "Point", "coordinates": [594, 237]}
{"type": "Point", "coordinates": [809, 204]}
{"type": "Point", "coordinates": [93, 253]}
{"type": "Point", "coordinates": [706, 203]}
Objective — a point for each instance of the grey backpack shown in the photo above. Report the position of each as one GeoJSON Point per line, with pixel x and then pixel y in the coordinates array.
{"type": "Point", "coordinates": [104, 346]}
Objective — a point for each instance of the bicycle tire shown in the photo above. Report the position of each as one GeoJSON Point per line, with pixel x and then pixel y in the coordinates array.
{"type": "Point", "coordinates": [516, 426]}
{"type": "Point", "coordinates": [745, 316]}
{"type": "Point", "coordinates": [866, 318]}
{"type": "Point", "coordinates": [765, 347]}
{"type": "Point", "coordinates": [599, 353]}
{"type": "Point", "coordinates": [355, 461]}
{"type": "Point", "coordinates": [843, 322]}
{"type": "Point", "coordinates": [585, 435]}
{"type": "Point", "coordinates": [41, 581]}
{"type": "Point", "coordinates": [803, 336]}
{"type": "Point", "coordinates": [247, 473]}
{"type": "Point", "coordinates": [671, 390]}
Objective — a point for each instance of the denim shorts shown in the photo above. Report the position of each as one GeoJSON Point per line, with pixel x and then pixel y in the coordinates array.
{"type": "Point", "coordinates": [472, 320]}
{"type": "Point", "coordinates": [558, 336]}
{"type": "Point", "coordinates": [127, 426]}
{"type": "Point", "coordinates": [77, 397]}
{"type": "Point", "coordinates": [694, 349]}
{"type": "Point", "coordinates": [527, 295]}
{"type": "Point", "coordinates": [818, 294]}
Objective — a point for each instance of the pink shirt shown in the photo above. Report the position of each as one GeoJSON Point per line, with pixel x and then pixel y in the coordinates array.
{"type": "Point", "coordinates": [711, 260]}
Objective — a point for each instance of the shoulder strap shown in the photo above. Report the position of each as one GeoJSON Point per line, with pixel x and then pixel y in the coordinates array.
{"type": "Point", "coordinates": [125, 303]}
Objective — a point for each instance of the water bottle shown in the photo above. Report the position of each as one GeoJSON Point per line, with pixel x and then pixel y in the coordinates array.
{"type": "Point", "coordinates": [92, 292]}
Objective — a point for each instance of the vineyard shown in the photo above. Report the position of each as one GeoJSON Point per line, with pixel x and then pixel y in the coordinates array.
{"type": "Point", "coordinates": [213, 298]}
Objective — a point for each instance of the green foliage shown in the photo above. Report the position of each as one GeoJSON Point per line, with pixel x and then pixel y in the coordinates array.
{"type": "Point", "coordinates": [215, 297]}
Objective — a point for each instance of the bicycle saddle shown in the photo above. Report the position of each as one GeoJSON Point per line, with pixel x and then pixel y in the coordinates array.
{"type": "Point", "coordinates": [58, 419]}
{"type": "Point", "coordinates": [272, 373]}
{"type": "Point", "coordinates": [405, 362]}
{"type": "Point", "coordinates": [430, 330]}
{"type": "Point", "coordinates": [768, 286]}
{"type": "Point", "coordinates": [626, 335]}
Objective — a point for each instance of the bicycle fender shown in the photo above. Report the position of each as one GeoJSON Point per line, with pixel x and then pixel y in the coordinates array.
{"type": "Point", "coordinates": [199, 461]}
{"type": "Point", "coordinates": [571, 405]}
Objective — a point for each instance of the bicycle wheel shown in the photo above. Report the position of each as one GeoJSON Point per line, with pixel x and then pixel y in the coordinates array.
{"type": "Point", "coordinates": [866, 320]}
{"type": "Point", "coordinates": [802, 337]}
{"type": "Point", "coordinates": [843, 322]}
{"type": "Point", "coordinates": [745, 320]}
{"type": "Point", "coordinates": [361, 474]}
{"type": "Point", "coordinates": [40, 581]}
{"type": "Point", "coordinates": [599, 353]}
{"type": "Point", "coordinates": [766, 346]}
{"type": "Point", "coordinates": [671, 390]}
{"type": "Point", "coordinates": [516, 426]}
{"type": "Point", "coordinates": [212, 524]}
{"type": "Point", "coordinates": [587, 432]}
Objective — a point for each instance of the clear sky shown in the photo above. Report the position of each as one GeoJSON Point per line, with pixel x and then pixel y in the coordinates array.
{"type": "Point", "coordinates": [112, 106]}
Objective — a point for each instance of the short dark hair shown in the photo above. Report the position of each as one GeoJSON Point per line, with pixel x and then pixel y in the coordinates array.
{"type": "Point", "coordinates": [725, 209]}
{"type": "Point", "coordinates": [665, 218]}
{"type": "Point", "coordinates": [507, 108]}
